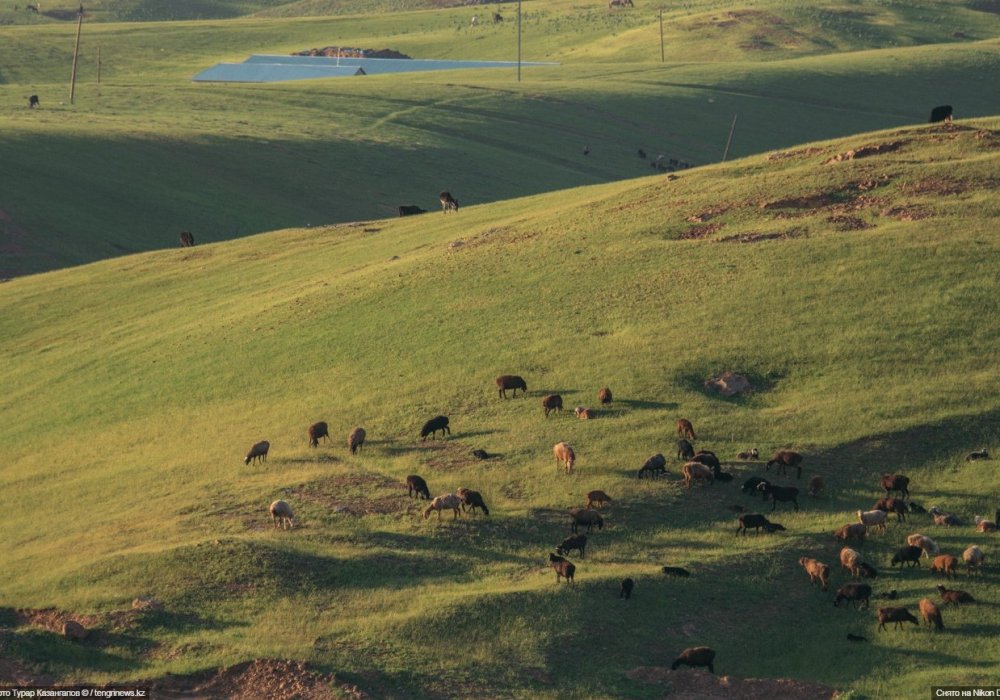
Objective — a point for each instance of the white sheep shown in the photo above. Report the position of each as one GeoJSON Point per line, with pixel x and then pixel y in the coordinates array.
{"type": "Point", "coordinates": [448, 501]}
{"type": "Point", "coordinates": [873, 518]}
{"type": "Point", "coordinates": [849, 559]}
{"type": "Point", "coordinates": [974, 559]}
{"type": "Point", "coordinates": [984, 525]}
{"type": "Point", "coordinates": [282, 513]}
{"type": "Point", "coordinates": [925, 543]}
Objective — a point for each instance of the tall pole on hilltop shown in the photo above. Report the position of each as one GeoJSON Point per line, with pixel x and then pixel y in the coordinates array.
{"type": "Point", "coordinates": [98, 64]}
{"type": "Point", "coordinates": [661, 36]}
{"type": "Point", "coordinates": [729, 141]}
{"type": "Point", "coordinates": [76, 55]}
{"type": "Point", "coordinates": [518, 40]}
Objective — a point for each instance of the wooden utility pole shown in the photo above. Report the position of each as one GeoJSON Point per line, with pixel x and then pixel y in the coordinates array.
{"type": "Point", "coordinates": [518, 40]}
{"type": "Point", "coordinates": [98, 64]}
{"type": "Point", "coordinates": [76, 55]}
{"type": "Point", "coordinates": [729, 141]}
{"type": "Point", "coordinates": [661, 36]}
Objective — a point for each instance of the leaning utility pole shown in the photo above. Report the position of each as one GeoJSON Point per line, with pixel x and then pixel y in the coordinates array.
{"type": "Point", "coordinates": [518, 40]}
{"type": "Point", "coordinates": [729, 141]}
{"type": "Point", "coordinates": [76, 55]}
{"type": "Point", "coordinates": [661, 35]}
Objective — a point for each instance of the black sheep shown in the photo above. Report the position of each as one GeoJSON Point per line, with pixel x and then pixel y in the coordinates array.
{"type": "Point", "coordinates": [563, 568]}
{"type": "Point", "coordinates": [417, 485]}
{"type": "Point", "coordinates": [626, 588]}
{"type": "Point", "coordinates": [907, 554]}
{"type": "Point", "coordinates": [317, 431]}
{"type": "Point", "coordinates": [685, 450]}
{"type": "Point", "coordinates": [433, 425]}
{"type": "Point", "coordinates": [779, 493]}
{"type": "Point", "coordinates": [897, 615]}
{"type": "Point", "coordinates": [757, 521]}
{"type": "Point", "coordinates": [578, 542]}
{"type": "Point", "coordinates": [510, 381]}
{"type": "Point", "coordinates": [854, 592]}
{"type": "Point", "coordinates": [751, 484]}
{"type": "Point", "coordinates": [654, 466]}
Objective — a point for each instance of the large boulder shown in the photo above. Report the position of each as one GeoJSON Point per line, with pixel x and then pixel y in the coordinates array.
{"type": "Point", "coordinates": [730, 384]}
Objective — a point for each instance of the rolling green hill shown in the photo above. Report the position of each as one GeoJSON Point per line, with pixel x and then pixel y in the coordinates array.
{"type": "Point", "coordinates": [856, 292]}
{"type": "Point", "coordinates": [147, 153]}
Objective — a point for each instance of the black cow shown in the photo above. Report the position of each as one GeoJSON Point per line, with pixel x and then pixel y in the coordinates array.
{"type": "Point", "coordinates": [410, 210]}
{"type": "Point", "coordinates": [942, 113]}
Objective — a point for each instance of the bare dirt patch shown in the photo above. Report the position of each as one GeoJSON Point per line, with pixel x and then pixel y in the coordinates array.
{"type": "Point", "coordinates": [781, 155]}
{"type": "Point", "coordinates": [866, 152]}
{"type": "Point", "coordinates": [907, 213]}
{"type": "Point", "coordinates": [262, 679]}
{"type": "Point", "coordinates": [695, 684]}
{"type": "Point", "coordinates": [357, 495]}
{"type": "Point", "coordinates": [697, 232]}
{"type": "Point", "coordinates": [845, 222]}
{"type": "Point", "coordinates": [946, 186]}
{"type": "Point", "coordinates": [760, 237]}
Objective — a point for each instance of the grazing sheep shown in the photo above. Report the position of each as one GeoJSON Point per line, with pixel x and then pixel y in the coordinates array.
{"type": "Point", "coordinates": [849, 559]}
{"type": "Point", "coordinates": [783, 459]}
{"type": "Point", "coordinates": [855, 532]}
{"type": "Point", "coordinates": [448, 203]}
{"type": "Point", "coordinates": [907, 554]}
{"type": "Point", "coordinates": [981, 453]}
{"type": "Point", "coordinates": [578, 542]}
{"type": "Point", "coordinates": [816, 486]}
{"type": "Point", "coordinates": [258, 451]}
{"type": "Point", "coordinates": [818, 571]}
{"type": "Point", "coordinates": [984, 525]}
{"type": "Point", "coordinates": [696, 471]}
{"type": "Point", "coordinates": [928, 545]}
{"type": "Point", "coordinates": [873, 519]}
{"type": "Point", "coordinates": [654, 466]}
{"type": "Point", "coordinates": [448, 501]}
{"type": "Point", "coordinates": [750, 454]}
{"type": "Point", "coordinates": [892, 505]}
{"type": "Point", "coordinates": [757, 521]}
{"type": "Point", "coordinates": [564, 453]}
{"type": "Point", "coordinates": [946, 519]}
{"type": "Point", "coordinates": [187, 239]}
{"type": "Point", "coordinates": [317, 431]}
{"type": "Point", "coordinates": [954, 596]}
{"type": "Point", "coordinates": [282, 513]}
{"type": "Point", "coordinates": [74, 631]}
{"type": "Point", "coordinates": [931, 614]}
{"type": "Point", "coordinates": [433, 425]}
{"type": "Point", "coordinates": [685, 429]}
{"type": "Point", "coordinates": [416, 485]}
{"type": "Point", "coordinates": [604, 396]}
{"type": "Point", "coordinates": [708, 458]}
{"type": "Point", "coordinates": [356, 440]}
{"type": "Point", "coordinates": [866, 570]}
{"type": "Point", "coordinates": [695, 657]}
{"type": "Point", "coordinates": [676, 571]}
{"type": "Point", "coordinates": [563, 568]}
{"type": "Point", "coordinates": [897, 615]}
{"type": "Point", "coordinates": [945, 564]}
{"type": "Point", "coordinates": [585, 516]}
{"type": "Point", "coordinates": [510, 381]}
{"type": "Point", "coordinates": [896, 482]}
{"type": "Point", "coordinates": [685, 450]}
{"type": "Point", "coordinates": [858, 593]}
{"type": "Point", "coordinates": [552, 402]}
{"type": "Point", "coordinates": [626, 588]}
{"type": "Point", "coordinates": [721, 476]}
{"type": "Point", "coordinates": [472, 500]}
{"type": "Point", "coordinates": [597, 498]}
{"type": "Point", "coordinates": [784, 494]}
{"type": "Point", "coordinates": [583, 413]}
{"type": "Point", "coordinates": [750, 485]}
{"type": "Point", "coordinates": [974, 559]}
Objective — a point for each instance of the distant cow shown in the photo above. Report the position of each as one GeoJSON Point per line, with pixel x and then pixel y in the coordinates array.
{"type": "Point", "coordinates": [187, 239]}
{"type": "Point", "coordinates": [33, 101]}
{"type": "Point", "coordinates": [448, 203]}
{"type": "Point", "coordinates": [410, 210]}
{"type": "Point", "coordinates": [942, 113]}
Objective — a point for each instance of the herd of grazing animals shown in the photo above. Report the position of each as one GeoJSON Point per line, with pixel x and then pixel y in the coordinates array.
{"type": "Point", "coordinates": [704, 466]}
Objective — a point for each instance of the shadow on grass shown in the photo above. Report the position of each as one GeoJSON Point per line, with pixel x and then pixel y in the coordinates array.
{"type": "Point", "coordinates": [62, 656]}
{"type": "Point", "coordinates": [646, 405]}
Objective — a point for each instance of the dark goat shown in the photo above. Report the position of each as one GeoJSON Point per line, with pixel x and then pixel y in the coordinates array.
{"type": "Point", "coordinates": [552, 402]}
{"type": "Point", "coordinates": [857, 593]}
{"type": "Point", "coordinates": [756, 521]}
{"type": "Point", "coordinates": [416, 484]}
{"type": "Point", "coordinates": [317, 431]}
{"type": "Point", "coordinates": [695, 657]}
{"type": "Point", "coordinates": [684, 450]}
{"type": "Point", "coordinates": [433, 425]}
{"type": "Point", "coordinates": [784, 494]}
{"type": "Point", "coordinates": [783, 459]}
{"type": "Point", "coordinates": [676, 571]}
{"type": "Point", "coordinates": [626, 588]}
{"type": "Point", "coordinates": [907, 554]}
{"type": "Point", "coordinates": [448, 203]}
{"type": "Point", "coordinates": [472, 500]}
{"type": "Point", "coordinates": [866, 570]}
{"type": "Point", "coordinates": [896, 482]}
{"type": "Point", "coordinates": [685, 429]}
{"type": "Point", "coordinates": [750, 485]}
{"type": "Point", "coordinates": [510, 381]}
{"type": "Point", "coordinates": [654, 466]}
{"type": "Point", "coordinates": [187, 239]}
{"type": "Point", "coordinates": [578, 542]}
{"type": "Point", "coordinates": [941, 113]}
{"type": "Point", "coordinates": [563, 567]}
{"type": "Point", "coordinates": [258, 451]}
{"type": "Point", "coordinates": [954, 596]}
{"type": "Point", "coordinates": [897, 615]}
{"type": "Point", "coordinates": [604, 396]}
{"type": "Point", "coordinates": [409, 210]}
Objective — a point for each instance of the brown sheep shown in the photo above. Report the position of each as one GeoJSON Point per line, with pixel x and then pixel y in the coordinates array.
{"type": "Point", "coordinates": [258, 451]}
{"type": "Point", "coordinates": [818, 571]}
{"type": "Point", "coordinates": [448, 501]}
{"type": "Point", "coordinates": [317, 431]}
{"type": "Point", "coordinates": [984, 525]}
{"type": "Point", "coordinates": [816, 486]}
{"type": "Point", "coordinates": [510, 381]}
{"type": "Point", "coordinates": [897, 615]}
{"type": "Point", "coordinates": [852, 531]}
{"type": "Point", "coordinates": [685, 429]}
{"type": "Point", "coordinates": [597, 498]}
{"type": "Point", "coordinates": [696, 471]}
{"type": "Point", "coordinates": [563, 568]}
{"type": "Point", "coordinates": [583, 413]}
{"type": "Point", "coordinates": [564, 453]}
{"type": "Point", "coordinates": [931, 614]}
{"type": "Point", "coordinates": [695, 657]}
{"type": "Point", "coordinates": [281, 514]}
{"type": "Point", "coordinates": [585, 516]}
{"type": "Point", "coordinates": [416, 485]}
{"type": "Point", "coordinates": [945, 564]}
{"type": "Point", "coordinates": [356, 440]}
{"type": "Point", "coordinates": [552, 402]}
{"type": "Point", "coordinates": [784, 459]}
{"type": "Point", "coordinates": [604, 396]}
{"type": "Point", "coordinates": [954, 596]}
{"type": "Point", "coordinates": [974, 558]}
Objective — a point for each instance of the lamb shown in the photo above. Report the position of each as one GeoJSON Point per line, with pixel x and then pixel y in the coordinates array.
{"type": "Point", "coordinates": [448, 501]}
{"type": "Point", "coordinates": [896, 482]}
{"type": "Point", "coordinates": [282, 513]}
{"type": "Point", "coordinates": [779, 493]}
{"type": "Point", "coordinates": [945, 564]}
{"type": "Point", "coordinates": [472, 500]}
{"type": "Point", "coordinates": [685, 450]}
{"type": "Point", "coordinates": [552, 402]}
{"type": "Point", "coordinates": [258, 451]}
{"type": "Point", "coordinates": [818, 571]}
{"type": "Point", "coordinates": [564, 453]}
{"type": "Point", "coordinates": [928, 545]}
{"type": "Point", "coordinates": [981, 453]}
{"type": "Point", "coordinates": [749, 454]}
{"type": "Point", "coordinates": [676, 571]}
{"type": "Point", "coordinates": [857, 593]}
{"type": "Point", "coordinates": [433, 425]}
{"type": "Point", "coordinates": [317, 431]}
{"type": "Point", "coordinates": [750, 485]}
{"type": "Point", "coordinates": [852, 532]}
{"type": "Point", "coordinates": [685, 429]}
{"type": "Point", "coordinates": [416, 485]}
{"type": "Point", "coordinates": [974, 559]}
{"type": "Point", "coordinates": [356, 440]}
{"type": "Point", "coordinates": [626, 588]}
{"type": "Point", "coordinates": [696, 471]}
{"type": "Point", "coordinates": [816, 486]}
{"type": "Point", "coordinates": [510, 381]}
{"type": "Point", "coordinates": [954, 596]}
{"type": "Point", "coordinates": [578, 542]}
{"type": "Point", "coordinates": [984, 525]}
{"type": "Point", "coordinates": [909, 554]}
{"type": "Point", "coordinates": [897, 615]}
{"type": "Point", "coordinates": [563, 567]}
{"type": "Point", "coordinates": [695, 657]}
{"type": "Point", "coordinates": [583, 413]}
{"type": "Point", "coordinates": [931, 614]}
{"type": "Point", "coordinates": [873, 519]}
{"type": "Point", "coordinates": [604, 396]}
{"type": "Point", "coordinates": [598, 498]}
{"type": "Point", "coordinates": [654, 466]}
{"type": "Point", "coordinates": [585, 516]}
{"type": "Point", "coordinates": [757, 521]}
{"type": "Point", "coordinates": [784, 459]}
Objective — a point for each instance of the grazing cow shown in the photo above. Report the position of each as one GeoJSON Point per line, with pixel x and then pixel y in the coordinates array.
{"type": "Point", "coordinates": [685, 429]}
{"type": "Point", "coordinates": [410, 210]}
{"type": "Point", "coordinates": [448, 203]}
{"type": "Point", "coordinates": [433, 425]}
{"type": "Point", "coordinates": [187, 239]}
{"type": "Point", "coordinates": [32, 101]}
{"type": "Point", "coordinates": [510, 381]}
{"type": "Point", "coordinates": [942, 113]}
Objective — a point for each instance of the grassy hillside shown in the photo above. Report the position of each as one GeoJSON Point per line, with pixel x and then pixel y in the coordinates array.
{"type": "Point", "coordinates": [146, 153]}
{"type": "Point", "coordinates": [855, 293]}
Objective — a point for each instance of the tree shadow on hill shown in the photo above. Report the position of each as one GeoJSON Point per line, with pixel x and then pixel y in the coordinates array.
{"type": "Point", "coordinates": [646, 405]}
